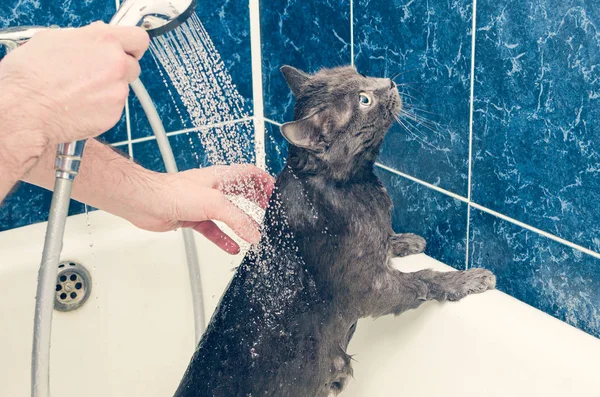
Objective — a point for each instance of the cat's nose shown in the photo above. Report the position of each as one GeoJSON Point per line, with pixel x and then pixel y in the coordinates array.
{"type": "Point", "coordinates": [392, 84]}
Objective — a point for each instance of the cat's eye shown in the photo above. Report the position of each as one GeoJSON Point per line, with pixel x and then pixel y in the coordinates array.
{"type": "Point", "coordinates": [365, 99]}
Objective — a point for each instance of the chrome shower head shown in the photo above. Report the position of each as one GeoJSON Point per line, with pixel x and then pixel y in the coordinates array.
{"type": "Point", "coordinates": [156, 16]}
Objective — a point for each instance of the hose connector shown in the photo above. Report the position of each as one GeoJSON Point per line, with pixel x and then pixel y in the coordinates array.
{"type": "Point", "coordinates": [68, 159]}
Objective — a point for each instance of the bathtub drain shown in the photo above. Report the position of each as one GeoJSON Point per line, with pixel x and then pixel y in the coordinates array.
{"type": "Point", "coordinates": [73, 286]}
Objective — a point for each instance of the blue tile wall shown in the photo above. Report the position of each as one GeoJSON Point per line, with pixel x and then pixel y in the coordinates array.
{"type": "Point", "coordinates": [429, 42]}
{"type": "Point", "coordinates": [535, 139]}
{"type": "Point", "coordinates": [306, 34]}
{"type": "Point", "coordinates": [548, 275]}
{"type": "Point", "coordinates": [537, 106]}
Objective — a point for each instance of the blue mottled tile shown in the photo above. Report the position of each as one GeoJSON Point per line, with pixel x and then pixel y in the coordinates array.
{"type": "Point", "coordinates": [227, 22]}
{"type": "Point", "coordinates": [440, 219]}
{"type": "Point", "coordinates": [276, 148]}
{"type": "Point", "coordinates": [537, 105]}
{"type": "Point", "coordinates": [188, 151]}
{"type": "Point", "coordinates": [28, 204]}
{"type": "Point", "coordinates": [147, 155]}
{"type": "Point", "coordinates": [309, 35]}
{"type": "Point", "coordinates": [550, 276]}
{"type": "Point", "coordinates": [64, 13]}
{"type": "Point", "coordinates": [116, 134]}
{"type": "Point", "coordinates": [429, 42]}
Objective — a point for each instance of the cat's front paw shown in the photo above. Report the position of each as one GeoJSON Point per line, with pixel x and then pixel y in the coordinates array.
{"type": "Point", "coordinates": [407, 244]}
{"type": "Point", "coordinates": [473, 281]}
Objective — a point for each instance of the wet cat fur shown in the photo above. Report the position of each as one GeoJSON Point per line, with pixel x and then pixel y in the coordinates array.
{"type": "Point", "coordinates": [285, 321]}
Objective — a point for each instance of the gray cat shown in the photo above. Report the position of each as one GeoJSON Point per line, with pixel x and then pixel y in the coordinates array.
{"type": "Point", "coordinates": [285, 321]}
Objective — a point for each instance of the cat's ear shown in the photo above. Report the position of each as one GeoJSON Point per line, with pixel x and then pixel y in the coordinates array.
{"type": "Point", "coordinates": [305, 133]}
{"type": "Point", "coordinates": [294, 78]}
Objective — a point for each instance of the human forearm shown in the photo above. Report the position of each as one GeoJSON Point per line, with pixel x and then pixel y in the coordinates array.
{"type": "Point", "coordinates": [161, 202]}
{"type": "Point", "coordinates": [20, 147]}
{"type": "Point", "coordinates": [106, 180]}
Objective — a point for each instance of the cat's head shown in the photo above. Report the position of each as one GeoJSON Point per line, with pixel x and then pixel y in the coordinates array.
{"type": "Point", "coordinates": [341, 118]}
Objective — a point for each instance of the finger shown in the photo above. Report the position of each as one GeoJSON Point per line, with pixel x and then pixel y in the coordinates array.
{"type": "Point", "coordinates": [212, 232]}
{"type": "Point", "coordinates": [133, 69]}
{"type": "Point", "coordinates": [134, 40]}
{"type": "Point", "coordinates": [221, 209]}
{"type": "Point", "coordinates": [247, 181]}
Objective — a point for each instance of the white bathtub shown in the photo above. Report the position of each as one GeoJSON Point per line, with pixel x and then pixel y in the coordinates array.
{"type": "Point", "coordinates": [134, 336]}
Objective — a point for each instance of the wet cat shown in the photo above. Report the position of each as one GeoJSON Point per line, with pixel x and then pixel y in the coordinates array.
{"type": "Point", "coordinates": [285, 321]}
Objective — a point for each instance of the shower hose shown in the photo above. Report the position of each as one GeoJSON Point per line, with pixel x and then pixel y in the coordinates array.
{"type": "Point", "coordinates": [40, 366]}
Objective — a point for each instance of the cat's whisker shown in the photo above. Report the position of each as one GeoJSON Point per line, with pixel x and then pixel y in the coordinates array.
{"type": "Point", "coordinates": [417, 136]}
{"type": "Point", "coordinates": [410, 96]}
{"type": "Point", "coordinates": [417, 109]}
{"type": "Point", "coordinates": [403, 72]}
{"type": "Point", "coordinates": [415, 118]}
{"type": "Point", "coordinates": [421, 120]}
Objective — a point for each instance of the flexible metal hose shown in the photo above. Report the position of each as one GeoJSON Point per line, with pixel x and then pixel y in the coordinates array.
{"type": "Point", "coordinates": [188, 235]}
{"type": "Point", "coordinates": [44, 301]}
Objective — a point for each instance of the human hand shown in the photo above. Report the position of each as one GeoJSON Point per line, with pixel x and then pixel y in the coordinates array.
{"type": "Point", "coordinates": [71, 84]}
{"type": "Point", "coordinates": [194, 198]}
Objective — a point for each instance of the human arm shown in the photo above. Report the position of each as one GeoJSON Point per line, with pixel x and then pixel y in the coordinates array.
{"type": "Point", "coordinates": [162, 202]}
{"type": "Point", "coordinates": [62, 86]}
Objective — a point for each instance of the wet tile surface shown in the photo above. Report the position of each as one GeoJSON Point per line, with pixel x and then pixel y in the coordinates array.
{"type": "Point", "coordinates": [308, 35]}
{"type": "Point", "coordinates": [429, 43]}
{"type": "Point", "coordinates": [536, 153]}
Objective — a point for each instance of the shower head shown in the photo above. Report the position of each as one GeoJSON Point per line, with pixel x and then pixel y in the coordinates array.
{"type": "Point", "coordinates": [156, 16]}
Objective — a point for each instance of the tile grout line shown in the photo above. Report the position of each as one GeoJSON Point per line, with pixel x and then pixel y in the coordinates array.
{"type": "Point", "coordinates": [128, 124]}
{"type": "Point", "coordinates": [352, 32]}
{"type": "Point", "coordinates": [426, 184]}
{"type": "Point", "coordinates": [536, 230]}
{"type": "Point", "coordinates": [257, 85]}
{"type": "Point", "coordinates": [471, 103]}
{"type": "Point", "coordinates": [273, 122]}
{"type": "Point", "coordinates": [492, 212]}
{"type": "Point", "coordinates": [185, 131]}
{"type": "Point", "coordinates": [128, 142]}
{"type": "Point", "coordinates": [213, 125]}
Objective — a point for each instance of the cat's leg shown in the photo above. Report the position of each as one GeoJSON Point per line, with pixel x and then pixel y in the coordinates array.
{"type": "Point", "coordinates": [394, 292]}
{"type": "Point", "coordinates": [405, 244]}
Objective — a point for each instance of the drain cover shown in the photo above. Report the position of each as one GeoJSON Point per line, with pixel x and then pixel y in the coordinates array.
{"type": "Point", "coordinates": [73, 286]}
